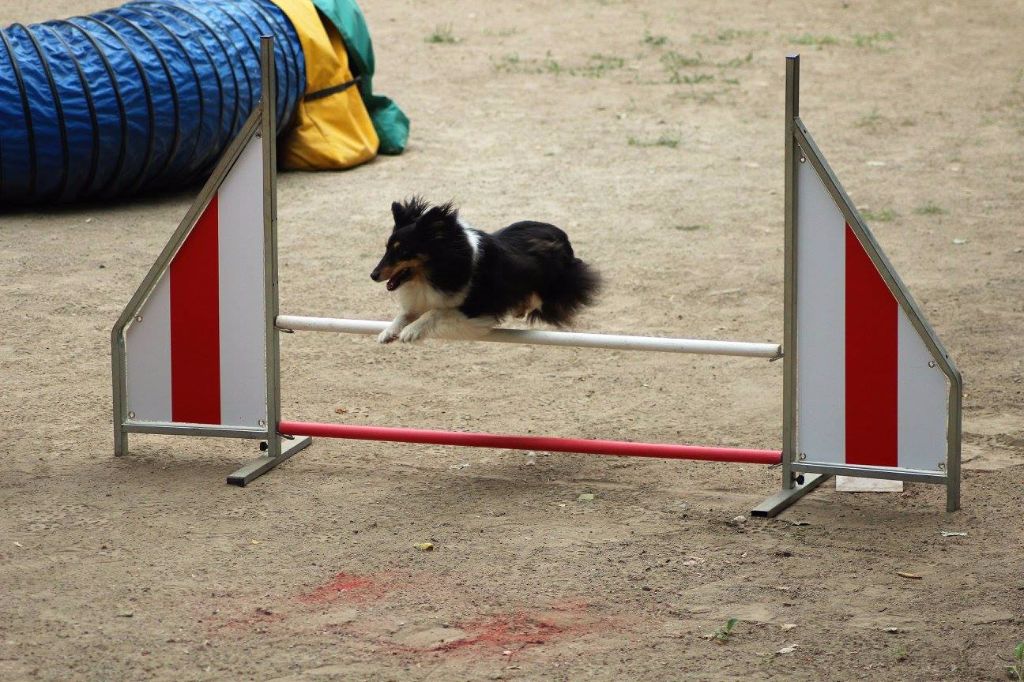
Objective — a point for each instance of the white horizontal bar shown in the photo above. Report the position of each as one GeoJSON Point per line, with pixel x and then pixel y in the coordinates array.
{"type": "Point", "coordinates": [551, 338]}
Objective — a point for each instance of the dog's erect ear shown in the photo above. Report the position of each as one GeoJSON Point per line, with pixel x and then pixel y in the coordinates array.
{"type": "Point", "coordinates": [398, 211]}
{"type": "Point", "coordinates": [434, 220]}
{"type": "Point", "coordinates": [408, 211]}
{"type": "Point", "coordinates": [440, 217]}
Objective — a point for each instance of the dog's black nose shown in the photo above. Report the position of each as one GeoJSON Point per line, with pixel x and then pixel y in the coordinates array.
{"type": "Point", "coordinates": [375, 275]}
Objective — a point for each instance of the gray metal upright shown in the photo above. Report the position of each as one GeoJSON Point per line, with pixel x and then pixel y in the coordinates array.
{"type": "Point", "coordinates": [800, 476]}
{"type": "Point", "coordinates": [261, 123]}
{"type": "Point", "coordinates": [793, 486]}
{"type": "Point", "coordinates": [268, 131]}
{"type": "Point", "coordinates": [269, 134]}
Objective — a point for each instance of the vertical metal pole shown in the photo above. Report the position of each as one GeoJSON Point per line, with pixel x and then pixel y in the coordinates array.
{"type": "Point", "coordinates": [117, 360]}
{"type": "Point", "coordinates": [275, 455]}
{"type": "Point", "coordinates": [789, 334]}
{"type": "Point", "coordinates": [268, 106]}
{"type": "Point", "coordinates": [953, 440]}
{"type": "Point", "coordinates": [792, 489]}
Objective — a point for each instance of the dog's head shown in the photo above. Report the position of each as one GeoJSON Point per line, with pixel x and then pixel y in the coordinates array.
{"type": "Point", "coordinates": [419, 232]}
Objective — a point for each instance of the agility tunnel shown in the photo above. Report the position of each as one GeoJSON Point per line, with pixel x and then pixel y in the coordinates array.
{"type": "Point", "coordinates": [149, 95]}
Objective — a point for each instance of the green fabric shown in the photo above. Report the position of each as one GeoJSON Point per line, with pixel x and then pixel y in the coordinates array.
{"type": "Point", "coordinates": [391, 124]}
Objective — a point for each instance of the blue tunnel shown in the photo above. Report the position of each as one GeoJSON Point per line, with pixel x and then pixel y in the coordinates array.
{"type": "Point", "coordinates": [134, 99]}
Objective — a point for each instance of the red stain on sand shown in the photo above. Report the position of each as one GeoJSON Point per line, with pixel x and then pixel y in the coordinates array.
{"type": "Point", "coordinates": [516, 631]}
{"type": "Point", "coordinates": [343, 584]}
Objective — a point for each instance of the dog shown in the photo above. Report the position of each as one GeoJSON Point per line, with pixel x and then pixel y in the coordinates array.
{"type": "Point", "coordinates": [453, 281]}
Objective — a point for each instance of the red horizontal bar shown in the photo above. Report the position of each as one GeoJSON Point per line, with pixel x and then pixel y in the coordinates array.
{"type": "Point", "coordinates": [543, 443]}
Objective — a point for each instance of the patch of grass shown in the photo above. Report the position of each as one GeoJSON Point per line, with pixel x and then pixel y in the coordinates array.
{"type": "Point", "coordinates": [513, 63]}
{"type": "Point", "coordinates": [722, 634]}
{"type": "Point", "coordinates": [677, 60]}
{"type": "Point", "coordinates": [697, 78]}
{"type": "Point", "coordinates": [726, 35]}
{"type": "Point", "coordinates": [596, 66]}
{"type": "Point", "coordinates": [730, 34]}
{"type": "Point", "coordinates": [1016, 671]}
{"type": "Point", "coordinates": [550, 65]}
{"type": "Point", "coordinates": [675, 63]}
{"type": "Point", "coordinates": [813, 40]}
{"type": "Point", "coordinates": [442, 35]}
{"type": "Point", "coordinates": [654, 40]}
{"type": "Point", "coordinates": [599, 64]}
{"type": "Point", "coordinates": [876, 40]}
{"type": "Point", "coordinates": [885, 215]}
{"type": "Point", "coordinates": [688, 228]}
{"type": "Point", "coordinates": [736, 62]}
{"type": "Point", "coordinates": [930, 208]}
{"type": "Point", "coordinates": [509, 63]}
{"type": "Point", "coordinates": [664, 140]}
{"type": "Point", "coordinates": [899, 652]}
{"type": "Point", "coordinates": [872, 120]}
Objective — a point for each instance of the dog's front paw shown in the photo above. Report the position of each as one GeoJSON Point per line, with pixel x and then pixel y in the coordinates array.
{"type": "Point", "coordinates": [387, 336]}
{"type": "Point", "coordinates": [413, 333]}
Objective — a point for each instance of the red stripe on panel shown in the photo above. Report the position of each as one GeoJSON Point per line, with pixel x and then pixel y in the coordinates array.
{"type": "Point", "coordinates": [872, 354]}
{"type": "Point", "coordinates": [195, 325]}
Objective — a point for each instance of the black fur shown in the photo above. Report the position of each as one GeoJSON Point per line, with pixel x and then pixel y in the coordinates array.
{"type": "Point", "coordinates": [511, 266]}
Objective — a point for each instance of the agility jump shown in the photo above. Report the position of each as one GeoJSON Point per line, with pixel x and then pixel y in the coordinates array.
{"type": "Point", "coordinates": [868, 388]}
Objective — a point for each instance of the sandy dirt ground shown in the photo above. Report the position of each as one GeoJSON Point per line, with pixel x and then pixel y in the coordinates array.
{"type": "Point", "coordinates": [653, 133]}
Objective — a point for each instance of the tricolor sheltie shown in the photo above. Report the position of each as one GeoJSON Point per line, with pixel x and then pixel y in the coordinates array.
{"type": "Point", "coordinates": [454, 281]}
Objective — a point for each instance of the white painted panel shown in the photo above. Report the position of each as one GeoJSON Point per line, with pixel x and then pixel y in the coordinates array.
{"type": "Point", "coordinates": [148, 350]}
{"type": "Point", "coordinates": [821, 321]}
{"type": "Point", "coordinates": [923, 396]}
{"type": "Point", "coordinates": [243, 387]}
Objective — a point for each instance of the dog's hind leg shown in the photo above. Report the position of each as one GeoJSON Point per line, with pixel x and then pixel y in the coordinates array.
{"type": "Point", "coordinates": [397, 325]}
{"type": "Point", "coordinates": [526, 308]}
{"type": "Point", "coordinates": [447, 323]}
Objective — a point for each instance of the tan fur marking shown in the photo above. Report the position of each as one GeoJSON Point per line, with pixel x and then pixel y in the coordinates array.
{"type": "Point", "coordinates": [528, 305]}
{"type": "Point", "coordinates": [413, 264]}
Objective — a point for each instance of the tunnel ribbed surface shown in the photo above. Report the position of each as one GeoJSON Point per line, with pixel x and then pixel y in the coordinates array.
{"type": "Point", "coordinates": [133, 99]}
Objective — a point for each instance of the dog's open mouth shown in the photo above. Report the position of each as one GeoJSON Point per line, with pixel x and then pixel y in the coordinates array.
{"type": "Point", "coordinates": [399, 278]}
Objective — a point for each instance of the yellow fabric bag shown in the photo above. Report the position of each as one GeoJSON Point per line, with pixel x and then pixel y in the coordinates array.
{"type": "Point", "coordinates": [332, 128]}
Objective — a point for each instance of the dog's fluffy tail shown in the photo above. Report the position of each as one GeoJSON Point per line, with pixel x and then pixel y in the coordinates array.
{"type": "Point", "coordinates": [578, 285]}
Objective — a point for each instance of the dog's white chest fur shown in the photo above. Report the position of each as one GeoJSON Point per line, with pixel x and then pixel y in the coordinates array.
{"type": "Point", "coordinates": [429, 312]}
{"type": "Point", "coordinates": [417, 297]}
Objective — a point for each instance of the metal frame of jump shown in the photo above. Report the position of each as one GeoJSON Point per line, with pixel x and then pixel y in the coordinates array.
{"type": "Point", "coordinates": [868, 388]}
